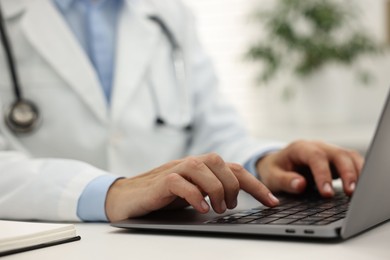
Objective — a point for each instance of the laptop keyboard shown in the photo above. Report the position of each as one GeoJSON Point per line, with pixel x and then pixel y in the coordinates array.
{"type": "Point", "coordinates": [307, 211]}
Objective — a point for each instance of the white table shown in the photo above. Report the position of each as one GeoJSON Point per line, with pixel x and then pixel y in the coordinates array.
{"type": "Point", "coordinates": [101, 241]}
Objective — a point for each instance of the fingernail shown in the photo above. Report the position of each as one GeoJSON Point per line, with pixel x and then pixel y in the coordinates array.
{"type": "Point", "coordinates": [295, 184]}
{"type": "Point", "coordinates": [234, 204]}
{"type": "Point", "coordinates": [223, 206]}
{"type": "Point", "coordinates": [273, 198]}
{"type": "Point", "coordinates": [352, 186]}
{"type": "Point", "coordinates": [204, 205]}
{"type": "Point", "coordinates": [327, 188]}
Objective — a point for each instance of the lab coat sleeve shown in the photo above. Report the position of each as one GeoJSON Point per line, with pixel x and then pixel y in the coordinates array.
{"type": "Point", "coordinates": [41, 189]}
{"type": "Point", "coordinates": [218, 128]}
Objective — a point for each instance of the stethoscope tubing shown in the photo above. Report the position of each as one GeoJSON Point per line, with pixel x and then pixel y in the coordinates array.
{"type": "Point", "coordinates": [10, 59]}
{"type": "Point", "coordinates": [23, 115]}
{"type": "Point", "coordinates": [180, 78]}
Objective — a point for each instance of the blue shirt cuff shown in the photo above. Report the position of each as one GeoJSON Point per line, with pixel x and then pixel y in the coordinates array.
{"type": "Point", "coordinates": [91, 204]}
{"type": "Point", "coordinates": [250, 165]}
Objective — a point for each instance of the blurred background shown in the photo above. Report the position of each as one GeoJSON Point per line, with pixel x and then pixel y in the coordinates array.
{"type": "Point", "coordinates": [335, 96]}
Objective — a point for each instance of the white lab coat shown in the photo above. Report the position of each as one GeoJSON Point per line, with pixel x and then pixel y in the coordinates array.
{"type": "Point", "coordinates": [42, 174]}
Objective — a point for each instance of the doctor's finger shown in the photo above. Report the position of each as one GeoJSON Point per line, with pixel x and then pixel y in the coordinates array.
{"type": "Point", "coordinates": [315, 155]}
{"type": "Point", "coordinates": [358, 161]}
{"type": "Point", "coordinates": [180, 187]}
{"type": "Point", "coordinates": [253, 186]}
{"type": "Point", "coordinates": [346, 169]}
{"type": "Point", "coordinates": [196, 172]}
{"type": "Point", "coordinates": [320, 168]}
{"type": "Point", "coordinates": [225, 175]}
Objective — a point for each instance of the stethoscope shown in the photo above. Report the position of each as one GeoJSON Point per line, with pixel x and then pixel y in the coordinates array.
{"type": "Point", "coordinates": [180, 78]}
{"type": "Point", "coordinates": [23, 115]}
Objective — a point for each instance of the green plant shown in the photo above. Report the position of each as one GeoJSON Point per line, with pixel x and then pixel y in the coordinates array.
{"type": "Point", "coordinates": [304, 35]}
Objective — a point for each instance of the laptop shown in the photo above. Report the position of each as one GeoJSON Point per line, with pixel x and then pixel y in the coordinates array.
{"type": "Point", "coordinates": [308, 215]}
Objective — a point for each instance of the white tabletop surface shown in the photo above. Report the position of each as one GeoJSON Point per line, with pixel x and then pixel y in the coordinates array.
{"type": "Point", "coordinates": [101, 241]}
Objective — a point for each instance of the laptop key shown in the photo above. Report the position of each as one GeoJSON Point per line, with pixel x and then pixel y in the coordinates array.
{"type": "Point", "coordinates": [240, 215]}
{"type": "Point", "coordinates": [323, 214]}
{"type": "Point", "coordinates": [294, 217]}
{"type": "Point", "coordinates": [262, 214]}
{"type": "Point", "coordinates": [249, 218]}
{"type": "Point", "coordinates": [278, 215]}
{"type": "Point", "coordinates": [282, 221]}
{"type": "Point", "coordinates": [291, 211]}
{"type": "Point", "coordinates": [241, 221]}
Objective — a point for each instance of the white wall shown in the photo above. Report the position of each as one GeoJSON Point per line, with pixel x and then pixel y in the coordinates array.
{"type": "Point", "coordinates": [223, 31]}
{"type": "Point", "coordinates": [226, 32]}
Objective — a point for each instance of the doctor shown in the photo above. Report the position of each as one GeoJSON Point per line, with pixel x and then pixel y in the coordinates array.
{"type": "Point", "coordinates": [121, 131]}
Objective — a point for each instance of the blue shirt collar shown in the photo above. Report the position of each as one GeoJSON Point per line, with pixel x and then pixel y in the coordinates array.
{"type": "Point", "coordinates": [64, 4]}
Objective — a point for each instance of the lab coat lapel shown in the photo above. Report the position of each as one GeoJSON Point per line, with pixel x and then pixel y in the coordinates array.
{"type": "Point", "coordinates": [138, 38]}
{"type": "Point", "coordinates": [52, 38]}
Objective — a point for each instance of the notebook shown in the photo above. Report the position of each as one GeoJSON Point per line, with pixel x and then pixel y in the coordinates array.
{"type": "Point", "coordinates": [305, 216]}
{"type": "Point", "coordinates": [17, 236]}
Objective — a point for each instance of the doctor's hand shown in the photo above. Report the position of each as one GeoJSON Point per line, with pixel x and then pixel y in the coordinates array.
{"type": "Point", "coordinates": [189, 180]}
{"type": "Point", "coordinates": [279, 170]}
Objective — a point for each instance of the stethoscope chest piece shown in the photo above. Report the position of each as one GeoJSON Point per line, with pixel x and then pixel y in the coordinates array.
{"type": "Point", "coordinates": [22, 116]}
